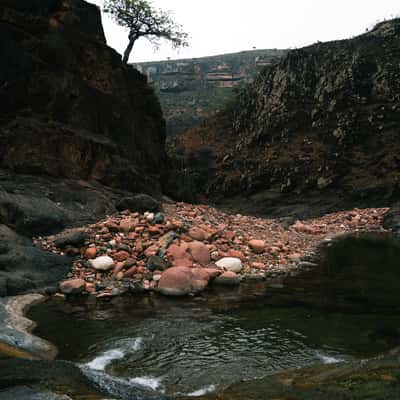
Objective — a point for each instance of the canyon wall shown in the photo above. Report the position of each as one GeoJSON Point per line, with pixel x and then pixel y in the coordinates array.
{"type": "Point", "coordinates": [70, 108]}
{"type": "Point", "coordinates": [191, 90]}
{"type": "Point", "coordinates": [324, 121]}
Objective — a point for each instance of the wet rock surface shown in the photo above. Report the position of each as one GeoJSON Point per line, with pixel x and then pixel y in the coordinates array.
{"type": "Point", "coordinates": [35, 380]}
{"type": "Point", "coordinates": [377, 379]}
{"type": "Point", "coordinates": [24, 267]}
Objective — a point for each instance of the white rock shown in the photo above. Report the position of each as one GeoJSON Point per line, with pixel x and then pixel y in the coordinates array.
{"type": "Point", "coordinates": [230, 264]}
{"type": "Point", "coordinates": [150, 217]}
{"type": "Point", "coordinates": [103, 263]}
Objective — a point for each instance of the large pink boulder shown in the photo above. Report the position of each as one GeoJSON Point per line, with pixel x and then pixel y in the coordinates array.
{"type": "Point", "coordinates": [179, 255]}
{"type": "Point", "coordinates": [199, 252]}
{"type": "Point", "coordinates": [181, 281]}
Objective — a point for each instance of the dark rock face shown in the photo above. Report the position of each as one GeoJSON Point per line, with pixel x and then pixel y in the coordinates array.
{"type": "Point", "coordinates": [24, 267]}
{"type": "Point", "coordinates": [78, 131]}
{"type": "Point", "coordinates": [139, 203]}
{"type": "Point", "coordinates": [69, 107]}
{"type": "Point", "coordinates": [325, 119]}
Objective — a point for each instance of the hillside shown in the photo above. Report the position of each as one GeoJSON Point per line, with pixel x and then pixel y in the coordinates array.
{"type": "Point", "coordinates": [321, 123]}
{"type": "Point", "coordinates": [191, 90]}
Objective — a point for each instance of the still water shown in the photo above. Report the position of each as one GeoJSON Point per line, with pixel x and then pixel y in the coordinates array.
{"type": "Point", "coordinates": [194, 346]}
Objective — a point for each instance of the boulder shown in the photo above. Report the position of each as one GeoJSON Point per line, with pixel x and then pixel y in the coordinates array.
{"type": "Point", "coordinates": [25, 268]}
{"type": "Point", "coordinates": [139, 203]}
{"type": "Point", "coordinates": [179, 255]}
{"type": "Point", "coordinates": [182, 281]}
{"type": "Point", "coordinates": [199, 252]}
{"type": "Point", "coordinates": [230, 264]}
{"type": "Point", "coordinates": [103, 263]}
{"type": "Point", "coordinates": [258, 246]}
{"type": "Point", "coordinates": [73, 286]}
{"type": "Point", "coordinates": [75, 237]}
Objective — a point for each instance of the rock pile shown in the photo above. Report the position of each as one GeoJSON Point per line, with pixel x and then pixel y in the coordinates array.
{"type": "Point", "coordinates": [185, 248]}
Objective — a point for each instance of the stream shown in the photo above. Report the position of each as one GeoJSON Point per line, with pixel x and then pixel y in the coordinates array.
{"type": "Point", "coordinates": [191, 347]}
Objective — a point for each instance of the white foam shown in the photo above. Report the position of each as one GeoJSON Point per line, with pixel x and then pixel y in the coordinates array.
{"type": "Point", "coordinates": [329, 359]}
{"type": "Point", "coordinates": [202, 391]}
{"type": "Point", "coordinates": [100, 362]}
{"type": "Point", "coordinates": [147, 382]}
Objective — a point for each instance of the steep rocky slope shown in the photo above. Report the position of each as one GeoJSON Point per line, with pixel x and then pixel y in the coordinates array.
{"type": "Point", "coordinates": [69, 106]}
{"type": "Point", "coordinates": [78, 131]}
{"type": "Point", "coordinates": [320, 126]}
{"type": "Point", "coordinates": [191, 90]}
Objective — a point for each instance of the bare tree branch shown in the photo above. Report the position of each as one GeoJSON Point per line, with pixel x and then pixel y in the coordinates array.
{"type": "Point", "coordinates": [143, 20]}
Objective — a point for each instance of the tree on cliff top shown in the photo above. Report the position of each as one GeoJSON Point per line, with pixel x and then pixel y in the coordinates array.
{"type": "Point", "coordinates": [143, 20]}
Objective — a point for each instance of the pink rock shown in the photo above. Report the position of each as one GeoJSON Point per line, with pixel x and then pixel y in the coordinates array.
{"type": "Point", "coordinates": [126, 225]}
{"type": "Point", "coordinates": [213, 272]}
{"type": "Point", "coordinates": [258, 265]}
{"type": "Point", "coordinates": [199, 252]}
{"type": "Point", "coordinates": [151, 251]}
{"type": "Point", "coordinates": [121, 256]}
{"type": "Point", "coordinates": [119, 267]}
{"type": "Point", "coordinates": [235, 254]}
{"type": "Point", "coordinates": [180, 281]}
{"type": "Point", "coordinates": [200, 274]}
{"type": "Point", "coordinates": [73, 286]}
{"type": "Point", "coordinates": [229, 235]}
{"type": "Point", "coordinates": [228, 279]}
{"type": "Point", "coordinates": [112, 226]}
{"type": "Point", "coordinates": [131, 271]}
{"type": "Point", "coordinates": [179, 255]}
{"type": "Point", "coordinates": [258, 246]}
{"type": "Point", "coordinates": [197, 234]}
{"type": "Point", "coordinates": [90, 253]}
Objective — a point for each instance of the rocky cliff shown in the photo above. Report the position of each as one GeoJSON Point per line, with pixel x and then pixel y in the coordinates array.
{"type": "Point", "coordinates": [69, 106]}
{"type": "Point", "coordinates": [78, 131]}
{"type": "Point", "coordinates": [323, 122]}
{"type": "Point", "coordinates": [191, 90]}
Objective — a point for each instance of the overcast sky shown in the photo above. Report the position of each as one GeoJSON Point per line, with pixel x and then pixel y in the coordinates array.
{"type": "Point", "coordinates": [226, 26]}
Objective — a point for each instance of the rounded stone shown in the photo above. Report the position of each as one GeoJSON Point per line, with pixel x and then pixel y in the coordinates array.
{"type": "Point", "coordinates": [103, 263]}
{"type": "Point", "coordinates": [230, 264]}
{"type": "Point", "coordinates": [258, 246]}
{"type": "Point", "coordinates": [72, 286]}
